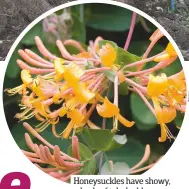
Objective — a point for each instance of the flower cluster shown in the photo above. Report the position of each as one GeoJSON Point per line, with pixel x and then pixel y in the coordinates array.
{"type": "Point", "coordinates": [60, 165]}
{"type": "Point", "coordinates": [78, 84]}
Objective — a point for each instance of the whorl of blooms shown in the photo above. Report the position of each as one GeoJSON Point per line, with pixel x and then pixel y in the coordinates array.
{"type": "Point", "coordinates": [78, 84]}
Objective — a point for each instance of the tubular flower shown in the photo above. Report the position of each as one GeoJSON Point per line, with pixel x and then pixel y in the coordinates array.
{"type": "Point", "coordinates": [72, 74]}
{"type": "Point", "coordinates": [108, 110]}
{"type": "Point", "coordinates": [59, 68]}
{"type": "Point", "coordinates": [83, 94]}
{"type": "Point", "coordinates": [26, 78]}
{"type": "Point", "coordinates": [173, 88]}
{"type": "Point", "coordinates": [164, 115]}
{"type": "Point", "coordinates": [157, 85]}
{"type": "Point", "coordinates": [27, 81]}
{"type": "Point", "coordinates": [177, 89]}
{"type": "Point", "coordinates": [169, 53]}
{"type": "Point", "coordinates": [167, 93]}
{"type": "Point", "coordinates": [107, 55]}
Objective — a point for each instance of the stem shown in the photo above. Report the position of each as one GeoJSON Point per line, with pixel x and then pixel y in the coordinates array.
{"type": "Point", "coordinates": [131, 82]}
{"type": "Point", "coordinates": [96, 154]}
{"type": "Point", "coordinates": [145, 101]}
{"type": "Point", "coordinates": [100, 163]}
{"type": "Point", "coordinates": [132, 26]}
{"type": "Point", "coordinates": [103, 127]}
{"type": "Point", "coordinates": [144, 158]}
{"type": "Point", "coordinates": [97, 70]}
{"type": "Point", "coordinates": [140, 62]}
{"type": "Point", "coordinates": [81, 12]}
{"type": "Point", "coordinates": [116, 91]}
{"type": "Point", "coordinates": [155, 68]}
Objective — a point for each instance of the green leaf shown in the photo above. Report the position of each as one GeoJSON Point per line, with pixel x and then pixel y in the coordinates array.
{"type": "Point", "coordinates": [104, 42]}
{"type": "Point", "coordinates": [144, 119]}
{"type": "Point", "coordinates": [97, 139]}
{"type": "Point", "coordinates": [120, 168]}
{"type": "Point", "coordinates": [117, 142]}
{"type": "Point", "coordinates": [130, 153]}
{"type": "Point", "coordinates": [87, 156]}
{"type": "Point", "coordinates": [13, 69]}
{"type": "Point", "coordinates": [36, 30]}
{"type": "Point", "coordinates": [110, 74]}
{"type": "Point", "coordinates": [102, 140]}
{"type": "Point", "coordinates": [109, 17]}
{"type": "Point", "coordinates": [125, 57]}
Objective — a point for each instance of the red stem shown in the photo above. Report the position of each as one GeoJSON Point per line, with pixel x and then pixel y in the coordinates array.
{"type": "Point", "coordinates": [132, 26]}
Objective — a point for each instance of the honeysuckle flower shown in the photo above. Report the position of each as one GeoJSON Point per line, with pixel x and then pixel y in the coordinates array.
{"type": "Point", "coordinates": [173, 88]}
{"type": "Point", "coordinates": [107, 55]}
{"type": "Point", "coordinates": [108, 110]}
{"type": "Point", "coordinates": [177, 89]}
{"type": "Point", "coordinates": [169, 53]}
{"type": "Point", "coordinates": [164, 114]}
{"type": "Point", "coordinates": [157, 85]}
{"type": "Point", "coordinates": [167, 93]}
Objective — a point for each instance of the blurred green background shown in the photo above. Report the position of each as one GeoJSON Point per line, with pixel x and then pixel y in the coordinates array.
{"type": "Point", "coordinates": [85, 23]}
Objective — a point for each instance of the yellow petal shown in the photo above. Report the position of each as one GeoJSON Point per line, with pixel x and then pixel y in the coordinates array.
{"type": "Point", "coordinates": [168, 114]}
{"type": "Point", "coordinates": [59, 68]}
{"type": "Point", "coordinates": [99, 97]}
{"type": "Point", "coordinates": [39, 118]}
{"type": "Point", "coordinates": [40, 108]}
{"type": "Point", "coordinates": [164, 114]}
{"type": "Point", "coordinates": [124, 121]}
{"type": "Point", "coordinates": [162, 57]}
{"type": "Point", "coordinates": [158, 110]}
{"type": "Point", "coordinates": [72, 74]}
{"type": "Point", "coordinates": [175, 96]}
{"type": "Point", "coordinates": [157, 85]}
{"type": "Point", "coordinates": [178, 81]}
{"type": "Point", "coordinates": [170, 50]}
{"type": "Point", "coordinates": [68, 129]}
{"type": "Point", "coordinates": [71, 103]}
{"type": "Point", "coordinates": [121, 76]}
{"type": "Point", "coordinates": [62, 112]}
{"type": "Point", "coordinates": [163, 133]}
{"type": "Point", "coordinates": [169, 53]}
{"type": "Point", "coordinates": [84, 55]}
{"type": "Point", "coordinates": [82, 93]}
{"type": "Point", "coordinates": [107, 109]}
{"type": "Point", "coordinates": [26, 77]}
{"type": "Point", "coordinates": [36, 88]}
{"type": "Point", "coordinates": [76, 116]}
{"type": "Point", "coordinates": [56, 97]}
{"type": "Point", "coordinates": [107, 55]}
